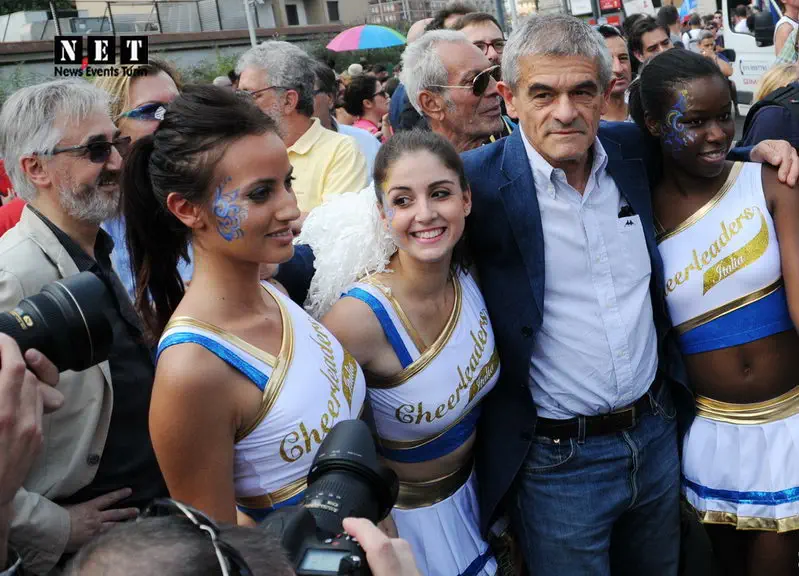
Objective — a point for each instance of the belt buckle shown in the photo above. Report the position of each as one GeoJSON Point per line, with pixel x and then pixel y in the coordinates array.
{"type": "Point", "coordinates": [633, 416]}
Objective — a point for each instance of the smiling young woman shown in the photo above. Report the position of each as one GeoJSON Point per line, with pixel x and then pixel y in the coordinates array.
{"type": "Point", "coordinates": [247, 384]}
{"type": "Point", "coordinates": [730, 250]}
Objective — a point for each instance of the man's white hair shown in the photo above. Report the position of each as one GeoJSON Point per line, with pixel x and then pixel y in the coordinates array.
{"type": "Point", "coordinates": [287, 66]}
{"type": "Point", "coordinates": [422, 67]}
{"type": "Point", "coordinates": [33, 120]}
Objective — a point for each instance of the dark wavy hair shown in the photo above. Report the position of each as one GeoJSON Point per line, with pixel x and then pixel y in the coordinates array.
{"type": "Point", "coordinates": [180, 156]}
{"type": "Point", "coordinates": [360, 88]}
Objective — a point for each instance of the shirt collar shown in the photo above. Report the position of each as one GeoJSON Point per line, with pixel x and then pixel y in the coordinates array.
{"type": "Point", "coordinates": [305, 142]}
{"type": "Point", "coordinates": [543, 172]}
{"type": "Point", "coordinates": [103, 245]}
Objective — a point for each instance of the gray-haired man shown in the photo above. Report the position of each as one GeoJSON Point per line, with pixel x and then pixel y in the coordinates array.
{"type": "Point", "coordinates": [578, 438]}
{"type": "Point", "coordinates": [62, 153]}
{"type": "Point", "coordinates": [280, 77]}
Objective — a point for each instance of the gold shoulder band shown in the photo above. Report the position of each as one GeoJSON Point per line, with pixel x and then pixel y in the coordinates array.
{"type": "Point", "coordinates": [278, 378]}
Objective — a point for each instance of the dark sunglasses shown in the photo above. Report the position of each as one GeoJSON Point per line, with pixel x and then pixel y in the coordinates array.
{"type": "Point", "coordinates": [230, 560]}
{"type": "Point", "coordinates": [151, 111]}
{"type": "Point", "coordinates": [480, 82]}
{"type": "Point", "coordinates": [99, 152]}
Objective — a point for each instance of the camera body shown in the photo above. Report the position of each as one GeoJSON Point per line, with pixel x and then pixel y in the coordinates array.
{"type": "Point", "coordinates": [346, 479]}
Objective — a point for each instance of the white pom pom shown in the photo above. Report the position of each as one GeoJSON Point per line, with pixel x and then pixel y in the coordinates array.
{"type": "Point", "coordinates": [349, 242]}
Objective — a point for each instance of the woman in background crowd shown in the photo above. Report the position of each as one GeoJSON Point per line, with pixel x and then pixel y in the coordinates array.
{"type": "Point", "coordinates": [730, 249]}
{"type": "Point", "coordinates": [778, 76]}
{"type": "Point", "coordinates": [367, 101]}
{"type": "Point", "coordinates": [247, 384]}
{"type": "Point", "coordinates": [138, 104]}
{"type": "Point", "coordinates": [420, 329]}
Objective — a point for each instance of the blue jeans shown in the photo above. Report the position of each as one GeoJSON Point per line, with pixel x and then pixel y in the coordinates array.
{"type": "Point", "coordinates": [607, 505]}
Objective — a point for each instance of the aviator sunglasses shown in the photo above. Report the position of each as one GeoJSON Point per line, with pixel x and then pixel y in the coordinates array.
{"type": "Point", "coordinates": [479, 83]}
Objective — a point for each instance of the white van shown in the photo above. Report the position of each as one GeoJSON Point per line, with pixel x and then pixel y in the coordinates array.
{"type": "Point", "coordinates": [751, 58]}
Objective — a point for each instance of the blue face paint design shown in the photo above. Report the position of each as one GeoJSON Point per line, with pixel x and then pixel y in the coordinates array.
{"type": "Point", "coordinates": [675, 134]}
{"type": "Point", "coordinates": [230, 214]}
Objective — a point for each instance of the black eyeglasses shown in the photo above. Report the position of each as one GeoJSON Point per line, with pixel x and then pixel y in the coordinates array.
{"type": "Point", "coordinates": [255, 93]}
{"type": "Point", "coordinates": [99, 152]}
{"type": "Point", "coordinates": [381, 93]}
{"type": "Point", "coordinates": [149, 111]}
{"type": "Point", "coordinates": [230, 560]}
{"type": "Point", "coordinates": [498, 45]}
{"type": "Point", "coordinates": [480, 82]}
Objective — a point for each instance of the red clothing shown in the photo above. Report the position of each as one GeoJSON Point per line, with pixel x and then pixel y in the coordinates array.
{"type": "Point", "coordinates": [5, 182]}
{"type": "Point", "coordinates": [10, 214]}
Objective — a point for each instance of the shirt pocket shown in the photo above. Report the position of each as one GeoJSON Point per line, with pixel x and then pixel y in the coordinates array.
{"type": "Point", "coordinates": [636, 264]}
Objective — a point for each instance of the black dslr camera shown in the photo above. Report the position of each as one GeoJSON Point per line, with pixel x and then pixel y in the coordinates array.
{"type": "Point", "coordinates": [66, 322]}
{"type": "Point", "coordinates": [346, 479]}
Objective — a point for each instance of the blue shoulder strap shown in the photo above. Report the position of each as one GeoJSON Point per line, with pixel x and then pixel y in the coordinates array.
{"type": "Point", "coordinates": [227, 354]}
{"type": "Point", "coordinates": [389, 329]}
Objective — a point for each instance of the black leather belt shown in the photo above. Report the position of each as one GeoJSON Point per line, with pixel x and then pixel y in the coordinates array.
{"type": "Point", "coordinates": [610, 423]}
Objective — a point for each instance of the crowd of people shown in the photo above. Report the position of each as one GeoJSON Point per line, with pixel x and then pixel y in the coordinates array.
{"type": "Point", "coordinates": [535, 265]}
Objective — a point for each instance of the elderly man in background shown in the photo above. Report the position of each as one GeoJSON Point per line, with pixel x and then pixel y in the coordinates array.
{"type": "Point", "coordinates": [63, 155]}
{"type": "Point", "coordinates": [280, 78]}
{"type": "Point", "coordinates": [324, 98]}
{"type": "Point", "coordinates": [454, 86]}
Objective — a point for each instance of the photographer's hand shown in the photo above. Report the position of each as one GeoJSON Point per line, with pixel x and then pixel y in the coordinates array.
{"type": "Point", "coordinates": [385, 556]}
{"type": "Point", "coordinates": [24, 395]}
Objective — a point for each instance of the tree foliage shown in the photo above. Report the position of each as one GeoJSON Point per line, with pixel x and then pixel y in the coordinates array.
{"type": "Point", "coordinates": [11, 6]}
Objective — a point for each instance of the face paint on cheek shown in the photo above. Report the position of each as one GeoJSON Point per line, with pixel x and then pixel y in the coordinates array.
{"type": "Point", "coordinates": [230, 212]}
{"type": "Point", "coordinates": [675, 133]}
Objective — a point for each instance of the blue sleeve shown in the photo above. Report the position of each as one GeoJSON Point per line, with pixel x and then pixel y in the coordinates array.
{"type": "Point", "coordinates": [395, 108]}
{"type": "Point", "coordinates": [771, 123]}
{"type": "Point", "coordinates": [296, 274]}
{"type": "Point", "coordinates": [739, 154]}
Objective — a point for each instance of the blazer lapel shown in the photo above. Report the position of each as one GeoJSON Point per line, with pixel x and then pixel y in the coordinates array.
{"type": "Point", "coordinates": [630, 176]}
{"type": "Point", "coordinates": [521, 205]}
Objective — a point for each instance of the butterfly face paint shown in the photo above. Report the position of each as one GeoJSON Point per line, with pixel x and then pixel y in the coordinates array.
{"type": "Point", "coordinates": [675, 134]}
{"type": "Point", "coordinates": [230, 211]}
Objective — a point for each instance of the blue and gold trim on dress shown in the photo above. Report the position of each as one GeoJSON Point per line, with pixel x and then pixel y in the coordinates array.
{"type": "Point", "coordinates": [430, 352]}
{"type": "Point", "coordinates": [703, 211]}
{"type": "Point", "coordinates": [392, 335]}
{"type": "Point", "coordinates": [756, 498]}
{"type": "Point", "coordinates": [752, 317]}
{"type": "Point", "coordinates": [420, 494]}
{"type": "Point", "coordinates": [426, 449]}
{"type": "Point", "coordinates": [285, 356]}
{"type": "Point", "coordinates": [258, 507]}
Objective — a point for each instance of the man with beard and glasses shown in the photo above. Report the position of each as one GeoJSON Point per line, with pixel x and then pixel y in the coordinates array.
{"type": "Point", "coordinates": [97, 466]}
{"type": "Point", "coordinates": [280, 78]}
{"type": "Point", "coordinates": [622, 74]}
{"type": "Point", "coordinates": [452, 83]}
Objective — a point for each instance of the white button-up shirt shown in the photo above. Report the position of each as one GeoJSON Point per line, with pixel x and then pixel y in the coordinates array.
{"type": "Point", "coordinates": [596, 350]}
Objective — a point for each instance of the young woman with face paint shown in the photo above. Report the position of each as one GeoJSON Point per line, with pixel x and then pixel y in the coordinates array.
{"type": "Point", "coordinates": [421, 331]}
{"type": "Point", "coordinates": [247, 384]}
{"type": "Point", "coordinates": [730, 249]}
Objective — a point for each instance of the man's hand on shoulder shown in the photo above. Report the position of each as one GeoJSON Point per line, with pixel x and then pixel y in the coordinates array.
{"type": "Point", "coordinates": [780, 154]}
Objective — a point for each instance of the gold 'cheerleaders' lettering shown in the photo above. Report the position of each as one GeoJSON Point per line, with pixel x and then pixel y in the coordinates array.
{"type": "Point", "coordinates": [468, 379]}
{"type": "Point", "coordinates": [753, 250]}
{"type": "Point", "coordinates": [300, 442]}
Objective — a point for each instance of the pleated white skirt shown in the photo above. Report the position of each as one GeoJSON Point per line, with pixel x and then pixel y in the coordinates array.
{"type": "Point", "coordinates": [445, 537]}
{"type": "Point", "coordinates": [744, 475]}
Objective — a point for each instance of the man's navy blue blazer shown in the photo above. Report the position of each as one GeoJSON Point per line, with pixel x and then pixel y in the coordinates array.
{"type": "Point", "coordinates": [506, 244]}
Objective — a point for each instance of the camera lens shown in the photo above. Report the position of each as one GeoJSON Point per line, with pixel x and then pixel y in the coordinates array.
{"type": "Point", "coordinates": [347, 479]}
{"type": "Point", "coordinates": [66, 322]}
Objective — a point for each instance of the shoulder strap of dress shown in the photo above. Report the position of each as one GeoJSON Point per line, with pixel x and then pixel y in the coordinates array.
{"type": "Point", "coordinates": [254, 363]}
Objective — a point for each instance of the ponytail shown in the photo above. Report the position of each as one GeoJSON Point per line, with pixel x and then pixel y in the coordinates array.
{"type": "Point", "coordinates": [179, 157]}
{"type": "Point", "coordinates": [156, 240]}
